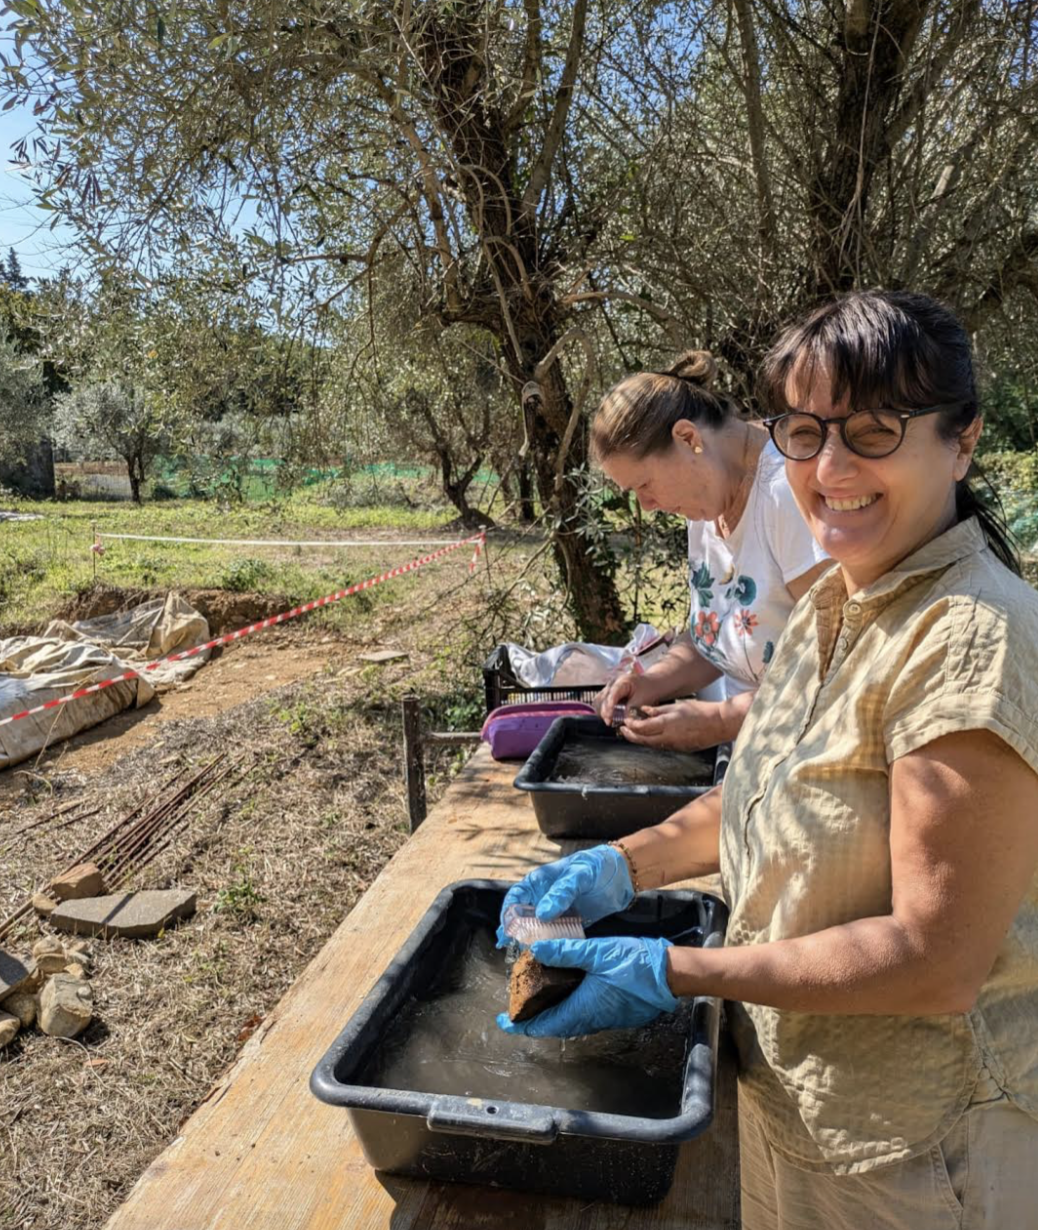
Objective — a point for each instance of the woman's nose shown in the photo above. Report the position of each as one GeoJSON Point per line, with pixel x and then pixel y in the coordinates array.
{"type": "Point", "coordinates": [835, 461]}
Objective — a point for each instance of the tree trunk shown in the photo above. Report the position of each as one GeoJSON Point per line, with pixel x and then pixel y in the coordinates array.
{"type": "Point", "coordinates": [518, 303]}
{"type": "Point", "coordinates": [135, 471]}
{"type": "Point", "coordinates": [525, 482]}
{"type": "Point", "coordinates": [590, 589]}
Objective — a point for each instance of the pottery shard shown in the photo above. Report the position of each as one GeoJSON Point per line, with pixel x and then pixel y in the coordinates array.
{"type": "Point", "coordinates": [85, 880]}
{"type": "Point", "coordinates": [66, 1006]}
{"type": "Point", "coordinates": [534, 987]}
{"type": "Point", "coordinates": [9, 1026]}
{"type": "Point", "coordinates": [16, 975]}
{"type": "Point", "coordinates": [22, 1005]}
{"type": "Point", "coordinates": [131, 915]}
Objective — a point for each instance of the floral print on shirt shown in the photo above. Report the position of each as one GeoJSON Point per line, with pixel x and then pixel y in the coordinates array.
{"type": "Point", "coordinates": [736, 604]}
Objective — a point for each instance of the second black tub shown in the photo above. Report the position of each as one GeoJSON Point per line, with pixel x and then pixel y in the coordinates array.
{"type": "Point", "coordinates": [575, 797]}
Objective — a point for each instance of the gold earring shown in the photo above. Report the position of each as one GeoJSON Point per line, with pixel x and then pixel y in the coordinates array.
{"type": "Point", "coordinates": [698, 449]}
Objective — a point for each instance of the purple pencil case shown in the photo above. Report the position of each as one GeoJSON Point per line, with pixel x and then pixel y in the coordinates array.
{"type": "Point", "coordinates": [513, 731]}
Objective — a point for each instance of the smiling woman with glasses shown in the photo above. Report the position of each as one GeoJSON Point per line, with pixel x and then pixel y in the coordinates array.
{"type": "Point", "coordinates": [877, 829]}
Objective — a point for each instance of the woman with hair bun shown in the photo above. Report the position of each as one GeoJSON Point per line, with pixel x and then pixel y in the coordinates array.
{"type": "Point", "coordinates": [685, 448]}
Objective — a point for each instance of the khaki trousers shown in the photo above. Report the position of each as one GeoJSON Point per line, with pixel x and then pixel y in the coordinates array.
{"type": "Point", "coordinates": [982, 1176]}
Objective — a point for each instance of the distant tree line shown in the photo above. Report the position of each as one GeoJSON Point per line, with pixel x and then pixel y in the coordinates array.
{"type": "Point", "coordinates": [551, 191]}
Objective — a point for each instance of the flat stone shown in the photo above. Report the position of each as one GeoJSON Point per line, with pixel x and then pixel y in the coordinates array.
{"type": "Point", "coordinates": [66, 1006]}
{"type": "Point", "coordinates": [85, 880]}
{"type": "Point", "coordinates": [9, 1026]}
{"type": "Point", "coordinates": [130, 915]}
{"type": "Point", "coordinates": [16, 975]}
{"type": "Point", "coordinates": [382, 655]}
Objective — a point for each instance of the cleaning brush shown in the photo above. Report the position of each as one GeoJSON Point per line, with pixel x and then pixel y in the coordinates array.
{"type": "Point", "coordinates": [520, 923]}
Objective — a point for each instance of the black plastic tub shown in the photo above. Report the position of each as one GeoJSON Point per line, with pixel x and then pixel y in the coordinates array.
{"type": "Point", "coordinates": [551, 1149]}
{"type": "Point", "coordinates": [592, 811]}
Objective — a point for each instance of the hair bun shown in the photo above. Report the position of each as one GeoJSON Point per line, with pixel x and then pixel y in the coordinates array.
{"type": "Point", "coordinates": [697, 366]}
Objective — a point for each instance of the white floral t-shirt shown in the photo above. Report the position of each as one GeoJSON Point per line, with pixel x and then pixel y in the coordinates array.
{"type": "Point", "coordinates": [740, 603]}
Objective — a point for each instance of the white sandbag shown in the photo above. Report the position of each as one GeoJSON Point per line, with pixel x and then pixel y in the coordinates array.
{"type": "Point", "coordinates": [36, 669]}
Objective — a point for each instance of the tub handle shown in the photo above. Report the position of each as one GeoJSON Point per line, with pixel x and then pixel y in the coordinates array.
{"type": "Point", "coordinates": [494, 1120]}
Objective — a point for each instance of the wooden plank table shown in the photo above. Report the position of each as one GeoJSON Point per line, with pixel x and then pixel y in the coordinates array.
{"type": "Point", "coordinates": [261, 1153]}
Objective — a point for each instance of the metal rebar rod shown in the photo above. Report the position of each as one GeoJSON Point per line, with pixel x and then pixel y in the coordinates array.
{"type": "Point", "coordinates": [140, 855]}
{"type": "Point", "coordinates": [151, 818]}
{"type": "Point", "coordinates": [154, 851]}
{"type": "Point", "coordinates": [154, 824]}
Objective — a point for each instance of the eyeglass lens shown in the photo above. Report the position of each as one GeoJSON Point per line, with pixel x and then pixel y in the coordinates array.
{"type": "Point", "coordinates": [870, 433]}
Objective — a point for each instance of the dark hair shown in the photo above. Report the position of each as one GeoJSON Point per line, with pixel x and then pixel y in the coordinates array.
{"type": "Point", "coordinates": [638, 415]}
{"type": "Point", "coordinates": [897, 349]}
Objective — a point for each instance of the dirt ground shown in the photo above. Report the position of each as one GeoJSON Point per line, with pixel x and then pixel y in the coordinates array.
{"type": "Point", "coordinates": [278, 855]}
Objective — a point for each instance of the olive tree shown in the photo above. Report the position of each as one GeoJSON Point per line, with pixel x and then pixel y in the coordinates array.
{"type": "Point", "coordinates": [112, 419]}
{"type": "Point", "coordinates": [23, 405]}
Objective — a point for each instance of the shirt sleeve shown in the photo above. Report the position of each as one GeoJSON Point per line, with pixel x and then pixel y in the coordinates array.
{"type": "Point", "coordinates": [791, 542]}
{"type": "Point", "coordinates": [971, 667]}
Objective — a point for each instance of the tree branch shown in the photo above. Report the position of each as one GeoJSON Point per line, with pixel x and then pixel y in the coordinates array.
{"type": "Point", "coordinates": [563, 99]}
{"type": "Point", "coordinates": [964, 14]}
{"type": "Point", "coordinates": [1018, 269]}
{"type": "Point", "coordinates": [755, 119]}
{"type": "Point", "coordinates": [531, 66]}
{"type": "Point", "coordinates": [673, 327]}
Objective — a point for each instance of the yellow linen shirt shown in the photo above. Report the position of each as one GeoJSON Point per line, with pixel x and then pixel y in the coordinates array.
{"type": "Point", "coordinates": [946, 642]}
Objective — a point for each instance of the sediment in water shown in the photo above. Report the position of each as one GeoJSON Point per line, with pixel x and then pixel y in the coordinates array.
{"type": "Point", "coordinates": [609, 762]}
{"type": "Point", "coordinates": [448, 1042]}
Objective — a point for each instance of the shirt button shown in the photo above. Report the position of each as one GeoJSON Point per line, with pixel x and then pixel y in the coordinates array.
{"type": "Point", "coordinates": [843, 642]}
{"type": "Point", "coordinates": [854, 608]}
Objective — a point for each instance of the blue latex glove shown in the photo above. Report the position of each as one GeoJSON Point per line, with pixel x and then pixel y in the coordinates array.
{"type": "Point", "coordinates": [596, 882]}
{"type": "Point", "coordinates": [625, 986]}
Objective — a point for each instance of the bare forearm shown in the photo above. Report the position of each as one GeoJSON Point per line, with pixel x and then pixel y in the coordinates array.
{"type": "Point", "coordinates": [870, 966]}
{"type": "Point", "coordinates": [685, 845]}
{"type": "Point", "coordinates": [732, 713]}
{"type": "Point", "coordinates": [680, 673]}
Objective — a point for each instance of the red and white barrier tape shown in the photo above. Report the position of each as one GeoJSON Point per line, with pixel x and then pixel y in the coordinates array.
{"type": "Point", "coordinates": [478, 539]}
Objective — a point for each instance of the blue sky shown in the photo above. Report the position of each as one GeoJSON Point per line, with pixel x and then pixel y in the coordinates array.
{"type": "Point", "coordinates": [23, 227]}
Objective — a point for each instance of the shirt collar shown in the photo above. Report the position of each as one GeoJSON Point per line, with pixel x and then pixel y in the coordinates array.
{"type": "Point", "coordinates": [963, 539]}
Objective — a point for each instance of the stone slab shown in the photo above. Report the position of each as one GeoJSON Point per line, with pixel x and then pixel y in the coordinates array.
{"type": "Point", "coordinates": [15, 974]}
{"type": "Point", "coordinates": [129, 915]}
{"type": "Point", "coordinates": [382, 655]}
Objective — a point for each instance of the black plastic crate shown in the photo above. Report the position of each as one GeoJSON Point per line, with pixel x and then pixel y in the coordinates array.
{"type": "Point", "coordinates": [501, 687]}
{"type": "Point", "coordinates": [594, 1156]}
{"type": "Point", "coordinates": [600, 812]}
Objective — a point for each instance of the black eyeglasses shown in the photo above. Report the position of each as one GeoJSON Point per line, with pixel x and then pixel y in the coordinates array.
{"type": "Point", "coordinates": [800, 436]}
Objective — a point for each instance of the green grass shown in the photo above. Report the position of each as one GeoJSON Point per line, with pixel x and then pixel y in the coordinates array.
{"type": "Point", "coordinates": [43, 562]}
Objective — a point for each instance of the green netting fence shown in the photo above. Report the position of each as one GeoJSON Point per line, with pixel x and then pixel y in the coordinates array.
{"type": "Point", "coordinates": [261, 478]}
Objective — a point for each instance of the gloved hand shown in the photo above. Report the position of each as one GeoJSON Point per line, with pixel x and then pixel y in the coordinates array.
{"type": "Point", "coordinates": [596, 882]}
{"type": "Point", "coordinates": [625, 986]}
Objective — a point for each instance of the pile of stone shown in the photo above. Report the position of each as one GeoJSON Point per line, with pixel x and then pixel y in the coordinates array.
{"type": "Point", "coordinates": [51, 988]}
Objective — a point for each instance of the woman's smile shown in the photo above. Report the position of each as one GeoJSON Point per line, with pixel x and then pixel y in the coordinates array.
{"type": "Point", "coordinates": [849, 503]}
